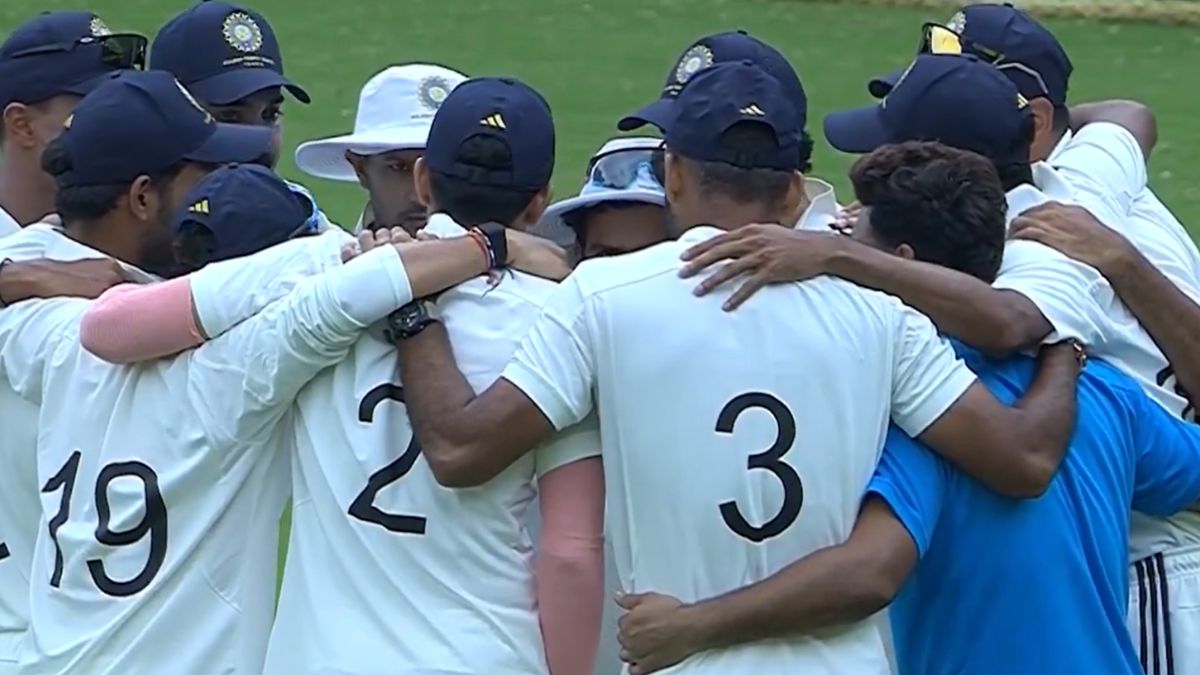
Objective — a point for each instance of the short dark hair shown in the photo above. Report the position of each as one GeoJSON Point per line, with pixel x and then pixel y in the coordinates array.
{"type": "Point", "coordinates": [89, 202]}
{"type": "Point", "coordinates": [947, 204]}
{"type": "Point", "coordinates": [1019, 173]}
{"type": "Point", "coordinates": [746, 186]}
{"type": "Point", "coordinates": [470, 204]}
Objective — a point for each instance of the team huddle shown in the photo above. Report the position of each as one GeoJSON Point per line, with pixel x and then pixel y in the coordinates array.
{"type": "Point", "coordinates": [699, 418]}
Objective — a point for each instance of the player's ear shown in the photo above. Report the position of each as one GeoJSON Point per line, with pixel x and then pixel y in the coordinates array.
{"type": "Point", "coordinates": [673, 183]}
{"type": "Point", "coordinates": [358, 163]}
{"type": "Point", "coordinates": [537, 206]}
{"type": "Point", "coordinates": [905, 251]}
{"type": "Point", "coordinates": [143, 198]}
{"type": "Point", "coordinates": [1043, 118]}
{"type": "Point", "coordinates": [19, 128]}
{"type": "Point", "coordinates": [423, 183]}
{"type": "Point", "coordinates": [795, 197]}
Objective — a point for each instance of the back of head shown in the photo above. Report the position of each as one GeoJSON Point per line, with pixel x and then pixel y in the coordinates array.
{"type": "Point", "coordinates": [490, 152]}
{"type": "Point", "coordinates": [946, 204]}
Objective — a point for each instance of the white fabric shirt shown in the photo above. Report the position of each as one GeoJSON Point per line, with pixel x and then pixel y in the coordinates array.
{"type": "Point", "coordinates": [20, 507]}
{"type": "Point", "coordinates": [429, 579]}
{"type": "Point", "coordinates": [1104, 165]}
{"type": "Point", "coordinates": [8, 224]}
{"type": "Point", "coordinates": [163, 483]}
{"type": "Point", "coordinates": [734, 443]}
{"type": "Point", "coordinates": [823, 208]}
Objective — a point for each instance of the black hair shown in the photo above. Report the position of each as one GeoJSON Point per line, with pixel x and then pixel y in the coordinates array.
{"type": "Point", "coordinates": [746, 186]}
{"type": "Point", "coordinates": [470, 204]}
{"type": "Point", "coordinates": [89, 202]}
{"type": "Point", "coordinates": [1019, 173]}
{"type": "Point", "coordinates": [945, 203]}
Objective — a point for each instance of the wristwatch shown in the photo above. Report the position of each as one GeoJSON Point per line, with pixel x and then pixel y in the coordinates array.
{"type": "Point", "coordinates": [410, 320]}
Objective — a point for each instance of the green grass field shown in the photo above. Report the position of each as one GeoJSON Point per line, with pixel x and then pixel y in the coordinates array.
{"type": "Point", "coordinates": [596, 60]}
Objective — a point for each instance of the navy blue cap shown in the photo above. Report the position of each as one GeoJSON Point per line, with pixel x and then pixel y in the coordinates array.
{"type": "Point", "coordinates": [958, 100]}
{"type": "Point", "coordinates": [501, 108]}
{"type": "Point", "coordinates": [246, 208]}
{"type": "Point", "coordinates": [727, 94]}
{"type": "Point", "coordinates": [143, 122]}
{"type": "Point", "coordinates": [222, 53]}
{"type": "Point", "coordinates": [58, 53]}
{"type": "Point", "coordinates": [730, 47]}
{"type": "Point", "coordinates": [1024, 50]}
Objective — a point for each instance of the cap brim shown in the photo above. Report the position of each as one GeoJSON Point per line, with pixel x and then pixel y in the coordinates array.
{"type": "Point", "coordinates": [659, 114]}
{"type": "Point", "coordinates": [233, 143]}
{"type": "Point", "coordinates": [882, 85]}
{"type": "Point", "coordinates": [326, 157]}
{"type": "Point", "coordinates": [238, 83]}
{"type": "Point", "coordinates": [858, 130]}
{"type": "Point", "coordinates": [85, 87]}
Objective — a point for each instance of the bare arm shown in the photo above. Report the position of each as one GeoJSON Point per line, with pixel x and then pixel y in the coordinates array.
{"type": "Point", "coordinates": [466, 439]}
{"type": "Point", "coordinates": [570, 565]}
{"type": "Point", "coordinates": [50, 279]}
{"type": "Point", "coordinates": [836, 585]}
{"type": "Point", "coordinates": [1135, 117]}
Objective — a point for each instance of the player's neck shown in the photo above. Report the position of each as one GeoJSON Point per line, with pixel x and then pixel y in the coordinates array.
{"type": "Point", "coordinates": [730, 215]}
{"type": "Point", "coordinates": [107, 237]}
{"type": "Point", "coordinates": [25, 194]}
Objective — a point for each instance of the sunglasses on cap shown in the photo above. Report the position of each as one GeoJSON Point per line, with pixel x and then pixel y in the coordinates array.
{"type": "Point", "coordinates": [621, 169]}
{"type": "Point", "coordinates": [122, 51]}
{"type": "Point", "coordinates": [938, 39]}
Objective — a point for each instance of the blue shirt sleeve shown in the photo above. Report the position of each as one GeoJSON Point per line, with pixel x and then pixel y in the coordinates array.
{"type": "Point", "coordinates": [1167, 474]}
{"type": "Point", "coordinates": [912, 480]}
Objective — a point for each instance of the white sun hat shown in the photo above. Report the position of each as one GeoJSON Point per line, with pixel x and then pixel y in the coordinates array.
{"type": "Point", "coordinates": [622, 170]}
{"type": "Point", "coordinates": [395, 110]}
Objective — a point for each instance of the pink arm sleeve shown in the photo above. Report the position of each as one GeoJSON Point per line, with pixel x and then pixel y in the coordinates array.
{"type": "Point", "coordinates": [131, 322]}
{"type": "Point", "coordinates": [570, 565]}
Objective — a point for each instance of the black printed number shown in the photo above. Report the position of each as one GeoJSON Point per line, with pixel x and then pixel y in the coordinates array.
{"type": "Point", "coordinates": [771, 460]}
{"type": "Point", "coordinates": [363, 507]}
{"type": "Point", "coordinates": [153, 523]}
{"type": "Point", "coordinates": [1166, 378]}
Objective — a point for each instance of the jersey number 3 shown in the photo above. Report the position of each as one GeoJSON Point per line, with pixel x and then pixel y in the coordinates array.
{"type": "Point", "coordinates": [771, 460]}
{"type": "Point", "coordinates": [363, 507]}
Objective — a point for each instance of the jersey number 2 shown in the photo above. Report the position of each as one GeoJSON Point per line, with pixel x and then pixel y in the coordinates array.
{"type": "Point", "coordinates": [771, 460]}
{"type": "Point", "coordinates": [363, 507]}
{"type": "Point", "coordinates": [153, 523]}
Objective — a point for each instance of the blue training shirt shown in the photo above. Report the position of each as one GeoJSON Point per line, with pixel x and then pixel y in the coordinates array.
{"type": "Point", "coordinates": [1037, 586]}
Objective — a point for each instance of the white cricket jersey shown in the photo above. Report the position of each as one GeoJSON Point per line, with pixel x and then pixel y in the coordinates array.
{"type": "Point", "coordinates": [8, 224]}
{"type": "Point", "coordinates": [20, 508]}
{"type": "Point", "coordinates": [1104, 163]}
{"type": "Point", "coordinates": [387, 571]}
{"type": "Point", "coordinates": [163, 484]}
{"type": "Point", "coordinates": [734, 443]}
{"type": "Point", "coordinates": [821, 214]}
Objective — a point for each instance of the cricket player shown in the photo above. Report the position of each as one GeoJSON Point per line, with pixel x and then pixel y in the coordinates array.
{"type": "Point", "coordinates": [46, 65]}
{"type": "Point", "coordinates": [229, 58]}
{"type": "Point", "coordinates": [982, 585]}
{"type": "Point", "coordinates": [393, 544]}
{"type": "Point", "coordinates": [1165, 550]}
{"type": "Point", "coordinates": [702, 465]}
{"type": "Point", "coordinates": [819, 208]}
{"type": "Point", "coordinates": [621, 207]}
{"type": "Point", "coordinates": [113, 205]}
{"type": "Point", "coordinates": [395, 110]}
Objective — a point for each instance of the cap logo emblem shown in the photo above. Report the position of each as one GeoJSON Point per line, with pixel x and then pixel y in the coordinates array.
{"type": "Point", "coordinates": [494, 121]}
{"type": "Point", "coordinates": [98, 28]}
{"type": "Point", "coordinates": [957, 23]}
{"type": "Point", "coordinates": [752, 110]}
{"type": "Point", "coordinates": [432, 91]}
{"type": "Point", "coordinates": [242, 33]}
{"type": "Point", "coordinates": [693, 61]}
{"type": "Point", "coordinates": [208, 118]}
{"type": "Point", "coordinates": [200, 207]}
{"type": "Point", "coordinates": [1021, 102]}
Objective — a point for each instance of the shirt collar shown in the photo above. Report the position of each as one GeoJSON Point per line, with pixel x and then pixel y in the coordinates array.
{"type": "Point", "coordinates": [1060, 146]}
{"type": "Point", "coordinates": [822, 209]}
{"type": "Point", "coordinates": [442, 225]}
{"type": "Point", "coordinates": [1047, 186]}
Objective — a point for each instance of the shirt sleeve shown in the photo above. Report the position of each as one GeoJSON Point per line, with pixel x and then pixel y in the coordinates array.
{"type": "Point", "coordinates": [927, 376]}
{"type": "Point", "coordinates": [913, 483]}
{"type": "Point", "coordinates": [243, 382]}
{"type": "Point", "coordinates": [569, 445]}
{"type": "Point", "coordinates": [229, 292]}
{"type": "Point", "coordinates": [1167, 473]}
{"type": "Point", "coordinates": [554, 365]}
{"type": "Point", "coordinates": [30, 333]}
{"type": "Point", "coordinates": [1064, 291]}
{"type": "Point", "coordinates": [1105, 165]}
